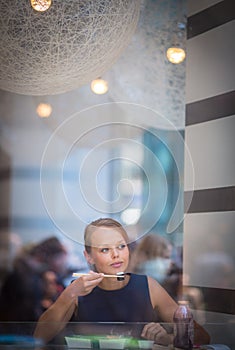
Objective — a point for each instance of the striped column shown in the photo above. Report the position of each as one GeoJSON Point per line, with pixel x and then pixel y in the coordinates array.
{"type": "Point", "coordinates": [209, 227]}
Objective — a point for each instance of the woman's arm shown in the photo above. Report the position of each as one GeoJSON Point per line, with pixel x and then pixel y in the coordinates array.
{"type": "Point", "coordinates": [161, 301]}
{"type": "Point", "coordinates": [166, 307]}
{"type": "Point", "coordinates": [54, 319]}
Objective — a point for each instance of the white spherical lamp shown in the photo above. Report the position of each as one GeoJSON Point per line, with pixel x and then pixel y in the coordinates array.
{"type": "Point", "coordinates": [65, 47]}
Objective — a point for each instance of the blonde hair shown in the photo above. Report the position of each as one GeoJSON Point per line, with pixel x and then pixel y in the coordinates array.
{"type": "Point", "coordinates": [102, 222]}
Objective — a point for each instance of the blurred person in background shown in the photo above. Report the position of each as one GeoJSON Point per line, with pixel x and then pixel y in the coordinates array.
{"type": "Point", "coordinates": [52, 255]}
{"type": "Point", "coordinates": [177, 285]}
{"type": "Point", "coordinates": [152, 256]}
{"type": "Point", "coordinates": [50, 290]}
{"type": "Point", "coordinates": [10, 245]}
{"type": "Point", "coordinates": [23, 288]}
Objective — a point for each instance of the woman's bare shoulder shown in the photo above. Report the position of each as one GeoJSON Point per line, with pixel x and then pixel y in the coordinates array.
{"type": "Point", "coordinates": [160, 298]}
{"type": "Point", "coordinates": [153, 283]}
{"type": "Point", "coordinates": [155, 290]}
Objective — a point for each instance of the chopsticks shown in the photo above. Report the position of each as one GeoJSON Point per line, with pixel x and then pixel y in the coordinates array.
{"type": "Point", "coordinates": [77, 274]}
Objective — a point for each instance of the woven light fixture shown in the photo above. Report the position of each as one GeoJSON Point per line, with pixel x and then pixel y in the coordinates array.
{"type": "Point", "coordinates": [67, 46]}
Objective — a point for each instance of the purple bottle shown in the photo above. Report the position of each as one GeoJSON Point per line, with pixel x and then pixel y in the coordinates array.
{"type": "Point", "coordinates": [183, 327]}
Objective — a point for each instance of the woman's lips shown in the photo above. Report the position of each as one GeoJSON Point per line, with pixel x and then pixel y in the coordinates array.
{"type": "Point", "coordinates": [116, 265]}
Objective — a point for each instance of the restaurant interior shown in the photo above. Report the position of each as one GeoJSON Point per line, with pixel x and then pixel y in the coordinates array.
{"type": "Point", "coordinates": [122, 109]}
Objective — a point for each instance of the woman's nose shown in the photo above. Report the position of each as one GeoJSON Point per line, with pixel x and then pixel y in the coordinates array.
{"type": "Point", "coordinates": [115, 252]}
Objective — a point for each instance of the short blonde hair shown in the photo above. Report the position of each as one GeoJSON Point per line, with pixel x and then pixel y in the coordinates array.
{"type": "Point", "coordinates": [102, 222]}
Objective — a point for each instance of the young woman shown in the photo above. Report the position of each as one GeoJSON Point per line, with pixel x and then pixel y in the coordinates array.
{"type": "Point", "coordinates": [96, 298]}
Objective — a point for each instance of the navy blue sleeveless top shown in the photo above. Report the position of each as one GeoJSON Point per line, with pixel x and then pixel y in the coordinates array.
{"type": "Point", "coordinates": [129, 304]}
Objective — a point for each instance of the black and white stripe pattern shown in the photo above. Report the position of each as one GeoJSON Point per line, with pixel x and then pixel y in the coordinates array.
{"type": "Point", "coordinates": [210, 127]}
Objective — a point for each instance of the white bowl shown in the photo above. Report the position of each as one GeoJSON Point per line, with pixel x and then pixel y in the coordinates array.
{"type": "Point", "coordinates": [112, 343]}
{"type": "Point", "coordinates": [145, 344]}
{"type": "Point", "coordinates": [77, 342]}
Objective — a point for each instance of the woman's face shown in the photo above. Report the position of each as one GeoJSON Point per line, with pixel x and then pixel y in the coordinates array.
{"type": "Point", "coordinates": [109, 252]}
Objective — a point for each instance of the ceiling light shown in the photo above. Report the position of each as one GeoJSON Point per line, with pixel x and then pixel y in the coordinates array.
{"type": "Point", "coordinates": [99, 86]}
{"type": "Point", "coordinates": [131, 216]}
{"type": "Point", "coordinates": [44, 110]}
{"type": "Point", "coordinates": [175, 55]}
{"type": "Point", "coordinates": [40, 5]}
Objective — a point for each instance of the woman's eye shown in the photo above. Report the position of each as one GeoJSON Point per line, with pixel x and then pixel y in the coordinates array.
{"type": "Point", "coordinates": [121, 246]}
{"type": "Point", "coordinates": [104, 250]}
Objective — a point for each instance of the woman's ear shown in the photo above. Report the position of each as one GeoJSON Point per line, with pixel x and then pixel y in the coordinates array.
{"type": "Point", "coordinates": [88, 257]}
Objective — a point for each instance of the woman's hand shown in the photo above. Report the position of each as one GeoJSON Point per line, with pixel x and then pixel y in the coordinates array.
{"type": "Point", "coordinates": [85, 284]}
{"type": "Point", "coordinates": [61, 311]}
{"type": "Point", "coordinates": [154, 331]}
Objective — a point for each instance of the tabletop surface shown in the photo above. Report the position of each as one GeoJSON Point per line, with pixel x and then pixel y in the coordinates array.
{"type": "Point", "coordinates": [223, 335]}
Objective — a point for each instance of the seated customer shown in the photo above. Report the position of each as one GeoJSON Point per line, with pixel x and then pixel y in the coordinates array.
{"type": "Point", "coordinates": [152, 256]}
{"type": "Point", "coordinates": [96, 298]}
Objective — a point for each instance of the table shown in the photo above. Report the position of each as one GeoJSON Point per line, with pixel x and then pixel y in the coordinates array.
{"type": "Point", "coordinates": [222, 333]}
